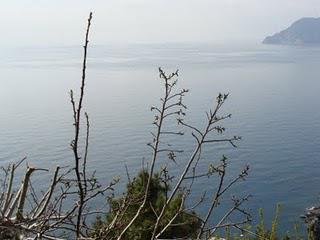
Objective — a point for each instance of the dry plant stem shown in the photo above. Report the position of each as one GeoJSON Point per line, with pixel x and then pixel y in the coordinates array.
{"type": "Point", "coordinates": [86, 154]}
{"type": "Point", "coordinates": [236, 206]}
{"type": "Point", "coordinates": [213, 205]}
{"type": "Point", "coordinates": [42, 206]}
{"type": "Point", "coordinates": [119, 214]}
{"type": "Point", "coordinates": [220, 191]}
{"type": "Point", "coordinates": [23, 195]}
{"type": "Point", "coordinates": [211, 119]}
{"type": "Point", "coordinates": [12, 207]}
{"type": "Point", "coordinates": [8, 193]}
{"type": "Point", "coordinates": [155, 154]}
{"type": "Point", "coordinates": [77, 115]}
{"type": "Point", "coordinates": [175, 190]}
{"type": "Point", "coordinates": [48, 213]}
{"type": "Point", "coordinates": [173, 218]}
{"type": "Point", "coordinates": [9, 189]}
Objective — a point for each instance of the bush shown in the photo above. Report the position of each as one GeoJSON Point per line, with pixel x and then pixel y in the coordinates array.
{"type": "Point", "coordinates": [185, 225]}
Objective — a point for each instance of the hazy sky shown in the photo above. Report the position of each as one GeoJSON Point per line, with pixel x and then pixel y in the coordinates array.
{"type": "Point", "coordinates": [56, 22]}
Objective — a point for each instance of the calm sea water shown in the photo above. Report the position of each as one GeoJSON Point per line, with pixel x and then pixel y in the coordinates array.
{"type": "Point", "coordinates": [274, 99]}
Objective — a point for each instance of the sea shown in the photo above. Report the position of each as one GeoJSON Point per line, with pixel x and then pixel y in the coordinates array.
{"type": "Point", "coordinates": [274, 96]}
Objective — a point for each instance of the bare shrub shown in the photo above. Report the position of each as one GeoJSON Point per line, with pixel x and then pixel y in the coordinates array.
{"type": "Point", "coordinates": [61, 211]}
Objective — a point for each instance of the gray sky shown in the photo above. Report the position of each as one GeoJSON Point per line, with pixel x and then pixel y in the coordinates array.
{"type": "Point", "coordinates": [57, 22]}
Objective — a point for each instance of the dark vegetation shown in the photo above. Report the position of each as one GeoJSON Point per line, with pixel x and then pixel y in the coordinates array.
{"type": "Point", "coordinates": [185, 224]}
{"type": "Point", "coordinates": [156, 204]}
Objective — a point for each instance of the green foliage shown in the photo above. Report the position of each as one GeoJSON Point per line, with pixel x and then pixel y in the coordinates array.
{"type": "Point", "coordinates": [185, 225]}
{"type": "Point", "coordinates": [298, 234]}
{"type": "Point", "coordinates": [275, 222]}
{"type": "Point", "coordinates": [262, 232]}
{"type": "Point", "coordinates": [261, 229]}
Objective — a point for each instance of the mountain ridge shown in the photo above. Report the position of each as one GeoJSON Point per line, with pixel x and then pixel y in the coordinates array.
{"type": "Point", "coordinates": [305, 31]}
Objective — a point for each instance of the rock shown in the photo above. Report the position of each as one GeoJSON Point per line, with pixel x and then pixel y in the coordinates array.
{"type": "Point", "coordinates": [312, 218]}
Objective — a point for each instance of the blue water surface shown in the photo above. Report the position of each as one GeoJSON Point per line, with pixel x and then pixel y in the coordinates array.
{"type": "Point", "coordinates": [274, 101]}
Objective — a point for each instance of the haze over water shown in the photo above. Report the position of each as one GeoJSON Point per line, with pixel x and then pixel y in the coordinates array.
{"type": "Point", "coordinates": [274, 101]}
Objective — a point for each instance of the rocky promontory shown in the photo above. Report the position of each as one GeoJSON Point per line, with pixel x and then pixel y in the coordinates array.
{"type": "Point", "coordinates": [305, 31]}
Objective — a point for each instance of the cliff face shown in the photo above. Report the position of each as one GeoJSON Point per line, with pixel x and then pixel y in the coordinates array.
{"type": "Point", "coordinates": [305, 31]}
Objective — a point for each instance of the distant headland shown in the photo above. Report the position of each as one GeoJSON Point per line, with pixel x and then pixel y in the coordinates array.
{"type": "Point", "coordinates": [305, 31]}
